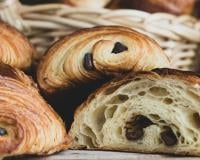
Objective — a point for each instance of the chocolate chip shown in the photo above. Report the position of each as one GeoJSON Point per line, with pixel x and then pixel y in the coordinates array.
{"type": "Point", "coordinates": [3, 132]}
{"type": "Point", "coordinates": [135, 133]}
{"type": "Point", "coordinates": [142, 121]}
{"type": "Point", "coordinates": [168, 137]}
{"type": "Point", "coordinates": [134, 128]}
{"type": "Point", "coordinates": [88, 62]}
{"type": "Point", "coordinates": [196, 119]}
{"type": "Point", "coordinates": [119, 47]}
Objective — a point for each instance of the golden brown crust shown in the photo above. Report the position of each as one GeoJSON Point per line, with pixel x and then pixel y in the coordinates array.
{"type": "Point", "coordinates": [187, 76]}
{"type": "Point", "coordinates": [15, 48]}
{"type": "Point", "coordinates": [31, 125]}
{"type": "Point", "coordinates": [63, 65]}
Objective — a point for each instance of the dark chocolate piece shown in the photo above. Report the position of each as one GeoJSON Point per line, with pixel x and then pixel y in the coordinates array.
{"type": "Point", "coordinates": [3, 132]}
{"type": "Point", "coordinates": [168, 137]}
{"type": "Point", "coordinates": [88, 62]}
{"type": "Point", "coordinates": [197, 119]}
{"type": "Point", "coordinates": [134, 128]}
{"type": "Point", "coordinates": [142, 121]}
{"type": "Point", "coordinates": [119, 47]}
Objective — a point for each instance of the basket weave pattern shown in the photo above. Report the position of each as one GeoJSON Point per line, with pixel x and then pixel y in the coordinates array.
{"type": "Point", "coordinates": [44, 24]}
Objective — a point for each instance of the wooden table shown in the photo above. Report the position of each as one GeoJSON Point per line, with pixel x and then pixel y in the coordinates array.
{"type": "Point", "coordinates": [102, 155]}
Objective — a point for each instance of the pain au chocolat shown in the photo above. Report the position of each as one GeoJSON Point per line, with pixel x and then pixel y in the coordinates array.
{"type": "Point", "coordinates": [92, 54]}
{"type": "Point", "coordinates": [15, 48]}
{"type": "Point", "coordinates": [28, 125]}
{"type": "Point", "coordinates": [151, 111]}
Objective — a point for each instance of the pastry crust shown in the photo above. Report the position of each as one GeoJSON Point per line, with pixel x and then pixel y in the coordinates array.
{"type": "Point", "coordinates": [63, 65]}
{"type": "Point", "coordinates": [87, 3]}
{"type": "Point", "coordinates": [167, 97]}
{"type": "Point", "coordinates": [15, 48]}
{"type": "Point", "coordinates": [28, 125]}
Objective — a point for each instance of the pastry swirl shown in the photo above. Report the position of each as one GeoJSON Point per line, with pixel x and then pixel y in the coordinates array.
{"type": "Point", "coordinates": [151, 111]}
{"type": "Point", "coordinates": [91, 54]}
{"type": "Point", "coordinates": [15, 48]}
{"type": "Point", "coordinates": [28, 125]}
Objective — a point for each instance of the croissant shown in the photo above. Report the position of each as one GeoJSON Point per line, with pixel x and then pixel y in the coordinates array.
{"type": "Point", "coordinates": [87, 3]}
{"type": "Point", "coordinates": [151, 111]}
{"type": "Point", "coordinates": [94, 53]}
{"type": "Point", "coordinates": [28, 125]}
{"type": "Point", "coordinates": [15, 49]}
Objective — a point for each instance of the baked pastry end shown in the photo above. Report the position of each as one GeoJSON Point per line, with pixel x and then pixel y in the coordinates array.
{"type": "Point", "coordinates": [151, 112]}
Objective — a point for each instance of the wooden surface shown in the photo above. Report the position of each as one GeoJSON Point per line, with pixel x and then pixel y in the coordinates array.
{"type": "Point", "coordinates": [102, 155]}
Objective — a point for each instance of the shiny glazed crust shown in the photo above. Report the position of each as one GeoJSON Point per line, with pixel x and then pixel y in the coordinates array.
{"type": "Point", "coordinates": [63, 65]}
{"type": "Point", "coordinates": [31, 124]}
{"type": "Point", "coordinates": [15, 48]}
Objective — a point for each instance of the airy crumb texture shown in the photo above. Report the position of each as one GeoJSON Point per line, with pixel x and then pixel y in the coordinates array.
{"type": "Point", "coordinates": [151, 112]}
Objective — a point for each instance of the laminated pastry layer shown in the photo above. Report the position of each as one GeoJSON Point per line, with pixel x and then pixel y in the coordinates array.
{"type": "Point", "coordinates": [147, 112]}
{"type": "Point", "coordinates": [92, 54]}
{"type": "Point", "coordinates": [15, 49]}
{"type": "Point", "coordinates": [28, 125]}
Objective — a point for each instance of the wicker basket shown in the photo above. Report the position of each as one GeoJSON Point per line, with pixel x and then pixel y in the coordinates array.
{"type": "Point", "coordinates": [44, 24]}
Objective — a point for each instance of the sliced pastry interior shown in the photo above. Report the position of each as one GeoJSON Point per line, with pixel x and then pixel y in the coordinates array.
{"type": "Point", "coordinates": [28, 125]}
{"type": "Point", "coordinates": [151, 111]}
{"type": "Point", "coordinates": [91, 54]}
{"type": "Point", "coordinates": [15, 49]}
